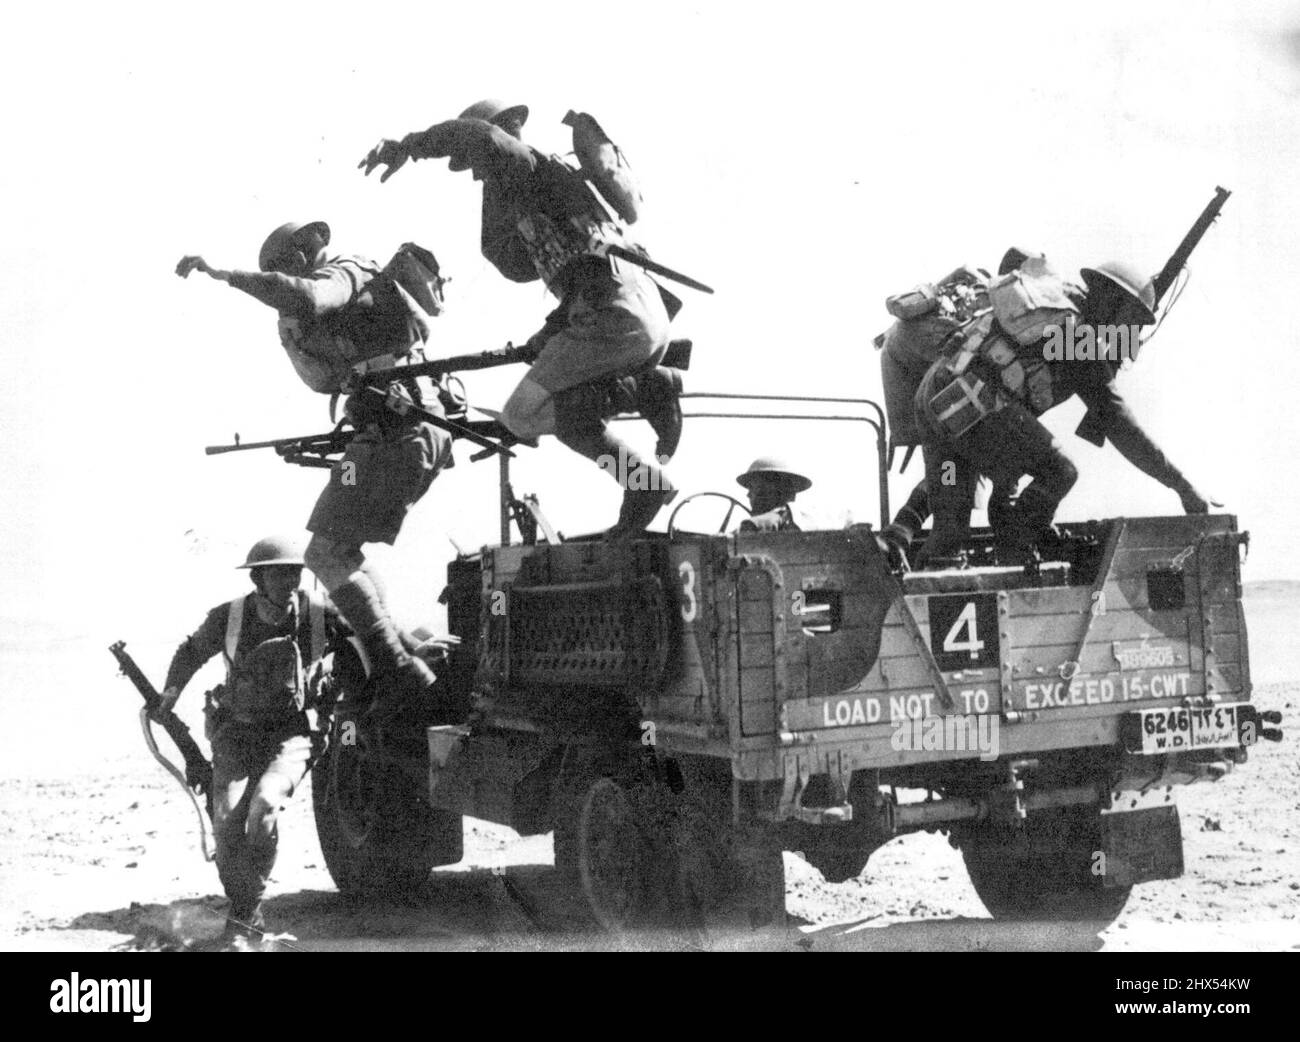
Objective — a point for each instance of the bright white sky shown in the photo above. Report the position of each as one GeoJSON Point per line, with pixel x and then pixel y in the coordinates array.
{"type": "Point", "coordinates": [807, 160]}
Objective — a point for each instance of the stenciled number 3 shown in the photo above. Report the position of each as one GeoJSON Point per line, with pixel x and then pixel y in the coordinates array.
{"type": "Point", "coordinates": [689, 605]}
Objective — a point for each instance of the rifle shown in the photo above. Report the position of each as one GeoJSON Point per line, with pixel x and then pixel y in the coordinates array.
{"type": "Point", "coordinates": [1178, 259]}
{"type": "Point", "coordinates": [1090, 427]}
{"type": "Point", "coordinates": [316, 450]}
{"type": "Point", "coordinates": [197, 777]}
{"type": "Point", "coordinates": [677, 356]}
{"type": "Point", "coordinates": [309, 450]}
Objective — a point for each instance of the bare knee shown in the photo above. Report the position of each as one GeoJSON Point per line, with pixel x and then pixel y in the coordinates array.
{"type": "Point", "coordinates": [530, 410]}
{"type": "Point", "coordinates": [264, 810]}
{"type": "Point", "coordinates": [331, 561]}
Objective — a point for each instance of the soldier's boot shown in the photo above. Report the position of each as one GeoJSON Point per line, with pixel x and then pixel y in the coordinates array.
{"type": "Point", "coordinates": [1026, 523]}
{"type": "Point", "coordinates": [245, 928]}
{"type": "Point", "coordinates": [397, 677]}
{"type": "Point", "coordinates": [580, 414]}
{"type": "Point", "coordinates": [638, 510]}
{"type": "Point", "coordinates": [896, 541]}
{"type": "Point", "coordinates": [898, 535]}
{"type": "Point", "coordinates": [659, 392]}
{"type": "Point", "coordinates": [655, 394]}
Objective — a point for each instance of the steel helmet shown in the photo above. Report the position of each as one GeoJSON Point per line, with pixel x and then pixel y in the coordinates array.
{"type": "Point", "coordinates": [1015, 257]}
{"type": "Point", "coordinates": [274, 549]}
{"type": "Point", "coordinates": [770, 466]}
{"type": "Point", "coordinates": [1130, 280]}
{"type": "Point", "coordinates": [279, 241]}
{"type": "Point", "coordinates": [492, 111]}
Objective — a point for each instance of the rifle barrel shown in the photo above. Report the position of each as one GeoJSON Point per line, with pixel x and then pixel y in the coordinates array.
{"type": "Point", "coordinates": [1178, 259]}
{"type": "Point", "coordinates": [435, 367]}
{"type": "Point", "coordinates": [274, 443]}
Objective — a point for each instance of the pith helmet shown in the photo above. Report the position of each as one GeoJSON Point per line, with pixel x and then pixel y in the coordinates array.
{"type": "Point", "coordinates": [770, 466]}
{"type": "Point", "coordinates": [274, 549]}
{"type": "Point", "coordinates": [493, 111]}
{"type": "Point", "coordinates": [1136, 285]}
{"type": "Point", "coordinates": [279, 241]}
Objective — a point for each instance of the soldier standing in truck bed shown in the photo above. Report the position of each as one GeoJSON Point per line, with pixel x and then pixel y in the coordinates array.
{"type": "Point", "coordinates": [339, 315]}
{"type": "Point", "coordinates": [541, 220]}
{"type": "Point", "coordinates": [927, 316]}
{"type": "Point", "coordinates": [980, 404]}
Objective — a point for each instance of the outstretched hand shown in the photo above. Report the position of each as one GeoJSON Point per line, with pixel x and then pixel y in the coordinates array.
{"type": "Point", "coordinates": [1196, 503]}
{"type": "Point", "coordinates": [189, 264]}
{"type": "Point", "coordinates": [388, 153]}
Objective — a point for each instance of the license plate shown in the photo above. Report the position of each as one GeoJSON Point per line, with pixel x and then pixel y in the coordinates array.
{"type": "Point", "coordinates": [1181, 728]}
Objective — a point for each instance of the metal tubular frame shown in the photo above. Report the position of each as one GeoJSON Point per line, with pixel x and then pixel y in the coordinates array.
{"type": "Point", "coordinates": [877, 424]}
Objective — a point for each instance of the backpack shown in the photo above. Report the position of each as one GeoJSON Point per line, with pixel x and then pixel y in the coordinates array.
{"type": "Point", "coordinates": [932, 319]}
{"type": "Point", "coordinates": [996, 356]}
{"type": "Point", "coordinates": [1030, 301]}
{"type": "Point", "coordinates": [415, 272]}
{"type": "Point", "coordinates": [390, 315]}
{"type": "Point", "coordinates": [604, 165]}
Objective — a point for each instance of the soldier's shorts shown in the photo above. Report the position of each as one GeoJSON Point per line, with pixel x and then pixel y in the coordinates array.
{"type": "Point", "coordinates": [616, 324]}
{"type": "Point", "coordinates": [253, 769]}
{"type": "Point", "coordinates": [1013, 442]}
{"type": "Point", "coordinates": [381, 476]}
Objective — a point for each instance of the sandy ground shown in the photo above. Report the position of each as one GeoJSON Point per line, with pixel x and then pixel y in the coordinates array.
{"type": "Point", "coordinates": [102, 853]}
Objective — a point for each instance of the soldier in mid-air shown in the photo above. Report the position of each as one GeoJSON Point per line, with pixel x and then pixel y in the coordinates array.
{"type": "Point", "coordinates": [541, 219]}
{"type": "Point", "coordinates": [339, 316]}
{"type": "Point", "coordinates": [262, 722]}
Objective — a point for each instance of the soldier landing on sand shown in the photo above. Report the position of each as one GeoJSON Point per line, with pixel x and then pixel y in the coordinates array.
{"type": "Point", "coordinates": [338, 316]}
{"type": "Point", "coordinates": [979, 403]}
{"type": "Point", "coordinates": [262, 723]}
{"type": "Point", "coordinates": [541, 219]}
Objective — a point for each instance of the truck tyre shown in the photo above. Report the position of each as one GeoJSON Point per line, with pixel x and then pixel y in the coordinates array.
{"type": "Point", "coordinates": [614, 860]}
{"type": "Point", "coordinates": [1041, 869]}
{"type": "Point", "coordinates": [377, 831]}
{"type": "Point", "coordinates": [722, 865]}
{"type": "Point", "coordinates": [618, 849]}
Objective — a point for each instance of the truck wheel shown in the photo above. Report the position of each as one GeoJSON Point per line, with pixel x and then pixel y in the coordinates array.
{"type": "Point", "coordinates": [377, 832]}
{"type": "Point", "coordinates": [722, 865]}
{"type": "Point", "coordinates": [612, 855]}
{"type": "Point", "coordinates": [1042, 869]}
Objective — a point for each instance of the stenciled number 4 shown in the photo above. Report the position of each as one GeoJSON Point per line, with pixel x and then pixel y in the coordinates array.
{"type": "Point", "coordinates": [965, 621]}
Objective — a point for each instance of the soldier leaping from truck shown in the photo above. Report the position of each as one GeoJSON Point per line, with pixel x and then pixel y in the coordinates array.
{"type": "Point", "coordinates": [340, 316]}
{"type": "Point", "coordinates": [541, 219]}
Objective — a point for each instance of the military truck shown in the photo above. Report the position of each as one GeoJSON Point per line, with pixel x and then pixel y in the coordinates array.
{"type": "Point", "coordinates": [681, 708]}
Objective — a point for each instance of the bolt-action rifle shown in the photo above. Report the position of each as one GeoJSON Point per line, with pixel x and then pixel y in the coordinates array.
{"type": "Point", "coordinates": [317, 450]}
{"type": "Point", "coordinates": [196, 779]}
{"type": "Point", "coordinates": [677, 356]}
{"type": "Point", "coordinates": [1091, 428]}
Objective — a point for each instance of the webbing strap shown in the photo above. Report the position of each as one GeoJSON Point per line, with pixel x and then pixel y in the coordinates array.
{"type": "Point", "coordinates": [234, 624]}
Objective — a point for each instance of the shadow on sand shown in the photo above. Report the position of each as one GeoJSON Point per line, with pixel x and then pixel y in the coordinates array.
{"type": "Point", "coordinates": [532, 908]}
